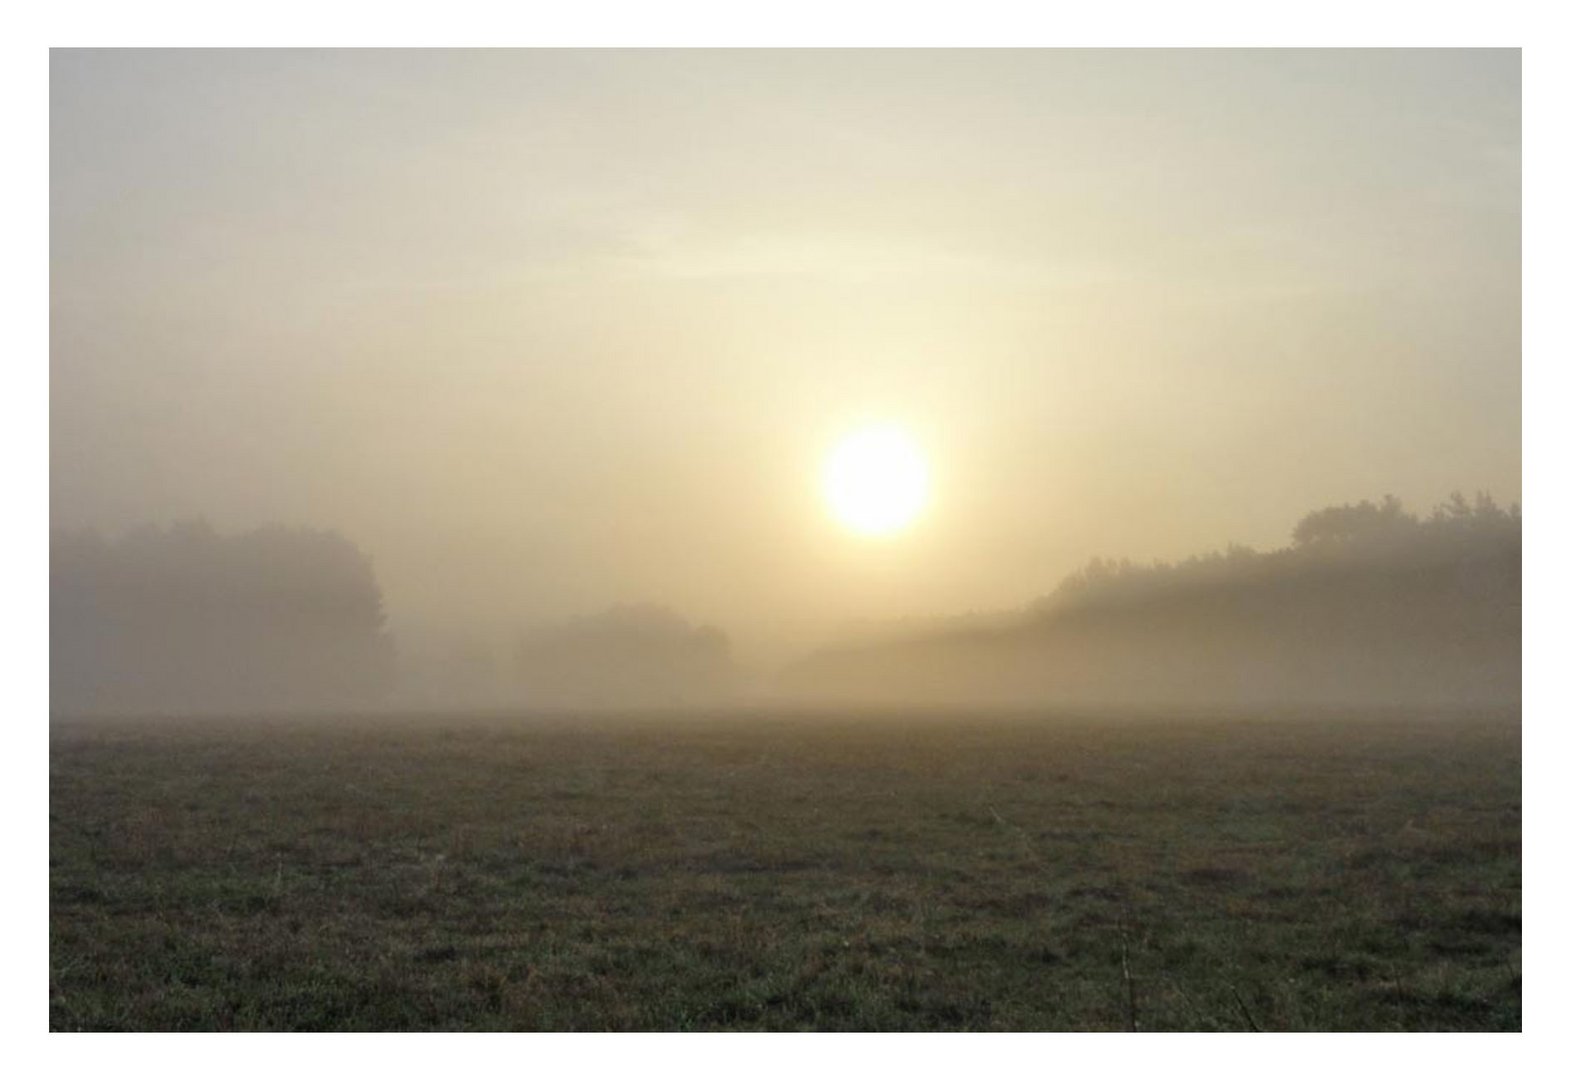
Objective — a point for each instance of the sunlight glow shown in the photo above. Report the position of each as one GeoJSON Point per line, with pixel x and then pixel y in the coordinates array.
{"type": "Point", "coordinates": [875, 481]}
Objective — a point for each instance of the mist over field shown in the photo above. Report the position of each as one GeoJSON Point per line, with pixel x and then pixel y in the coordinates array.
{"type": "Point", "coordinates": [1369, 606]}
{"type": "Point", "coordinates": [898, 540]}
{"type": "Point", "coordinates": [547, 333]}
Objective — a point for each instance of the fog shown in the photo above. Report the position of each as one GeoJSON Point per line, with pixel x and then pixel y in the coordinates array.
{"type": "Point", "coordinates": [185, 620]}
{"type": "Point", "coordinates": [1369, 606]}
{"type": "Point", "coordinates": [487, 378]}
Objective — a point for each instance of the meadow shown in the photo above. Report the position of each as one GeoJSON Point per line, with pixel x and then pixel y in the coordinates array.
{"type": "Point", "coordinates": [771, 871]}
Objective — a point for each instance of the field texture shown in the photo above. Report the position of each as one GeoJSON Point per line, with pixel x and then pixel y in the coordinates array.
{"type": "Point", "coordinates": [876, 872]}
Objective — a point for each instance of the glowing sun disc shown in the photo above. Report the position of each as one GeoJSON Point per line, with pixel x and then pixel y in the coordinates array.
{"type": "Point", "coordinates": [875, 481]}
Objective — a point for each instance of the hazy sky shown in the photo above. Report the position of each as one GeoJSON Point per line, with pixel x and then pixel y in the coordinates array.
{"type": "Point", "coordinates": [545, 331]}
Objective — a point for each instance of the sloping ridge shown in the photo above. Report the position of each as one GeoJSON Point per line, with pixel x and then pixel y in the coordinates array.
{"type": "Point", "coordinates": [1425, 614]}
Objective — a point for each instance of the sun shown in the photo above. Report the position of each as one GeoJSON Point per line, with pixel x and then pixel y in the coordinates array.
{"type": "Point", "coordinates": [875, 481]}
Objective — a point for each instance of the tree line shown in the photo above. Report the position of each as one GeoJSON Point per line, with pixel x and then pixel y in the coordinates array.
{"type": "Point", "coordinates": [185, 620]}
{"type": "Point", "coordinates": [1369, 604]}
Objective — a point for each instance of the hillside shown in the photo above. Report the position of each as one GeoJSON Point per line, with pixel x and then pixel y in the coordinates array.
{"type": "Point", "coordinates": [1368, 606]}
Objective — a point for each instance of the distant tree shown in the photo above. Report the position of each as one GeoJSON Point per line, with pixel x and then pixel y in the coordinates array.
{"type": "Point", "coordinates": [185, 619]}
{"type": "Point", "coordinates": [1483, 512]}
{"type": "Point", "coordinates": [1354, 524]}
{"type": "Point", "coordinates": [631, 654]}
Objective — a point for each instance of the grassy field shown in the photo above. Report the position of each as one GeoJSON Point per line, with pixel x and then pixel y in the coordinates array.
{"type": "Point", "coordinates": [787, 872]}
